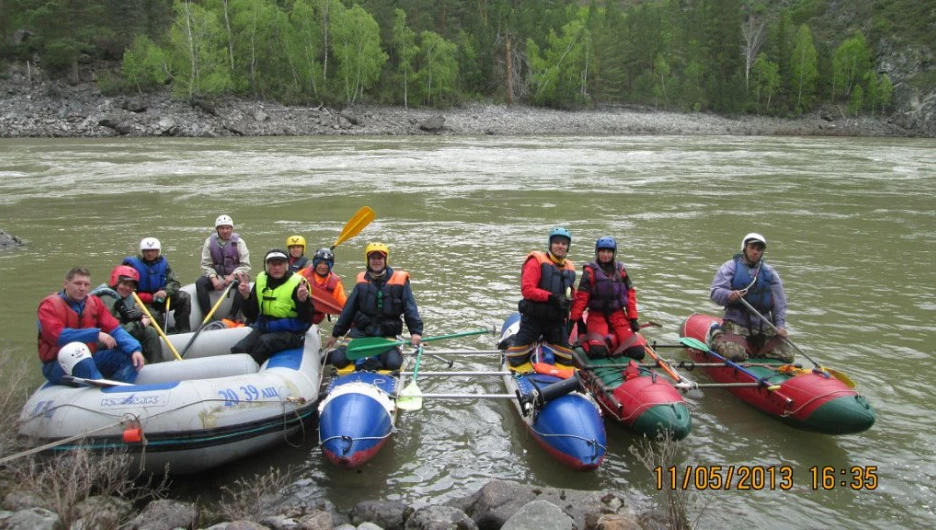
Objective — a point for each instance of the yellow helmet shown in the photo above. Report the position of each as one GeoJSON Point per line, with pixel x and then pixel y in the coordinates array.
{"type": "Point", "coordinates": [376, 247]}
{"type": "Point", "coordinates": [292, 241]}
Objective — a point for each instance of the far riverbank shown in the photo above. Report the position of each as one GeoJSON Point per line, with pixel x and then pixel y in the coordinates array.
{"type": "Point", "coordinates": [34, 108]}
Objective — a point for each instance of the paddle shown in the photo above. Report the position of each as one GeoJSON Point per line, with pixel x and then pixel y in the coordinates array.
{"type": "Point", "coordinates": [663, 364]}
{"type": "Point", "coordinates": [411, 396]}
{"type": "Point", "coordinates": [353, 227]}
{"type": "Point", "coordinates": [207, 318]}
{"type": "Point", "coordinates": [102, 383]}
{"type": "Point", "coordinates": [697, 344]}
{"type": "Point", "coordinates": [367, 346]}
{"type": "Point", "coordinates": [324, 301]}
{"type": "Point", "coordinates": [156, 325]}
{"type": "Point", "coordinates": [834, 373]}
{"type": "Point", "coordinates": [166, 323]}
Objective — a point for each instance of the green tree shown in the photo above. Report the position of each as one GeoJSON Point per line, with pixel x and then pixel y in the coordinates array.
{"type": "Point", "coordinates": [144, 64]}
{"type": "Point", "coordinates": [851, 64]}
{"type": "Point", "coordinates": [438, 68]}
{"type": "Point", "coordinates": [661, 71]}
{"type": "Point", "coordinates": [260, 32]}
{"type": "Point", "coordinates": [357, 49]}
{"type": "Point", "coordinates": [766, 79]}
{"type": "Point", "coordinates": [305, 49]}
{"type": "Point", "coordinates": [803, 69]}
{"type": "Point", "coordinates": [198, 54]}
{"type": "Point", "coordinates": [403, 45]}
{"type": "Point", "coordinates": [722, 42]}
{"type": "Point", "coordinates": [885, 92]}
{"type": "Point", "coordinates": [856, 100]}
{"type": "Point", "coordinates": [556, 72]}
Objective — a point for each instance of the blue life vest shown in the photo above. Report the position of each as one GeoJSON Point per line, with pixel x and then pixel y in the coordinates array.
{"type": "Point", "coordinates": [152, 274]}
{"type": "Point", "coordinates": [758, 294]}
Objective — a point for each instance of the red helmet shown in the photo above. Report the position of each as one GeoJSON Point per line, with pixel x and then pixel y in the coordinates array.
{"type": "Point", "coordinates": [123, 272]}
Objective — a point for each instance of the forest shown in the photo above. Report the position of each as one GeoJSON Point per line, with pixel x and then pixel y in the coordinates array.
{"type": "Point", "coordinates": [772, 57]}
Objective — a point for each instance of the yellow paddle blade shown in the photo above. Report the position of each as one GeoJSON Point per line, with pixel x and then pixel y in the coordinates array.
{"type": "Point", "coordinates": [410, 397]}
{"type": "Point", "coordinates": [840, 376]}
{"type": "Point", "coordinates": [353, 227]}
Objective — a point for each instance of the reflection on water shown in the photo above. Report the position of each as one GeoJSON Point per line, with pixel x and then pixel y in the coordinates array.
{"type": "Point", "coordinates": [851, 225]}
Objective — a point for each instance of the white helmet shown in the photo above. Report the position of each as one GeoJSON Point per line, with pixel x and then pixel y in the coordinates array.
{"type": "Point", "coordinates": [753, 236]}
{"type": "Point", "coordinates": [224, 220]}
{"type": "Point", "coordinates": [150, 243]}
{"type": "Point", "coordinates": [71, 354]}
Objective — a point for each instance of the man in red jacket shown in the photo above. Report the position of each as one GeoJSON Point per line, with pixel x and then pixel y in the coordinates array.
{"type": "Point", "coordinates": [546, 281]}
{"type": "Point", "coordinates": [72, 315]}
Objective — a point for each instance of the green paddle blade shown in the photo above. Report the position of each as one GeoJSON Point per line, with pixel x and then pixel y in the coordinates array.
{"type": "Point", "coordinates": [368, 346]}
{"type": "Point", "coordinates": [695, 344]}
{"type": "Point", "coordinates": [410, 397]}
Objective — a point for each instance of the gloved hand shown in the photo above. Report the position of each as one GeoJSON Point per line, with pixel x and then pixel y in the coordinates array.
{"type": "Point", "coordinates": [635, 327]}
{"type": "Point", "coordinates": [128, 314]}
{"type": "Point", "coordinates": [564, 303]}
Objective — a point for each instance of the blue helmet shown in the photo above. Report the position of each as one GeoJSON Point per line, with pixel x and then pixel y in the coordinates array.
{"type": "Point", "coordinates": [323, 254]}
{"type": "Point", "coordinates": [606, 242]}
{"type": "Point", "coordinates": [560, 232]}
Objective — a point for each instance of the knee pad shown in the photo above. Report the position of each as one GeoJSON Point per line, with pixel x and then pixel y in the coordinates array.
{"type": "Point", "coordinates": [635, 352]}
{"type": "Point", "coordinates": [595, 346]}
{"type": "Point", "coordinates": [595, 349]}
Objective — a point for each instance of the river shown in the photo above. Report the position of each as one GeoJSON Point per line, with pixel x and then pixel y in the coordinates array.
{"type": "Point", "coordinates": [851, 225]}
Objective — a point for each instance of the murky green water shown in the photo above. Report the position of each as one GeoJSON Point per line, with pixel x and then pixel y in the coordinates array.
{"type": "Point", "coordinates": [851, 225]}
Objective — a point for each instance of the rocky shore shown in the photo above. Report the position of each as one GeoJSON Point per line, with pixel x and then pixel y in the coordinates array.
{"type": "Point", "coordinates": [31, 107]}
{"type": "Point", "coordinates": [499, 505]}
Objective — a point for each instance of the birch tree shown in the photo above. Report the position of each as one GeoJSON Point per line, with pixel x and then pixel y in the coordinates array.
{"type": "Point", "coordinates": [357, 49]}
{"type": "Point", "coordinates": [803, 68]}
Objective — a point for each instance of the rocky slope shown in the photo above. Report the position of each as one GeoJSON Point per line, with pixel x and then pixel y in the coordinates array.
{"type": "Point", "coordinates": [43, 108]}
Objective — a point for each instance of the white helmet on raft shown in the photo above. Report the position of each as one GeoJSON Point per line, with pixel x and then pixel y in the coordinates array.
{"type": "Point", "coordinates": [150, 243]}
{"type": "Point", "coordinates": [224, 220]}
{"type": "Point", "coordinates": [72, 354]}
{"type": "Point", "coordinates": [753, 236]}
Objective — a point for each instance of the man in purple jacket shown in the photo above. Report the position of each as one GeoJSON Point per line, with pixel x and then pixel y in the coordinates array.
{"type": "Point", "coordinates": [743, 334]}
{"type": "Point", "coordinates": [224, 258]}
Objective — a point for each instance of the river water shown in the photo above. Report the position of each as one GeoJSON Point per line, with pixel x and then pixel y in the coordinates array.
{"type": "Point", "coordinates": [851, 225]}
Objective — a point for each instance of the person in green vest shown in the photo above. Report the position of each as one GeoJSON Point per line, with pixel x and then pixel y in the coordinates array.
{"type": "Point", "coordinates": [278, 306]}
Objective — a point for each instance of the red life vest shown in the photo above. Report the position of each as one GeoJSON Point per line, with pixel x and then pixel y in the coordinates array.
{"type": "Point", "coordinates": [90, 318]}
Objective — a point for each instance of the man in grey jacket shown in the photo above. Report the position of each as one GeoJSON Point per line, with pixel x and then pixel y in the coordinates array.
{"type": "Point", "coordinates": [743, 334]}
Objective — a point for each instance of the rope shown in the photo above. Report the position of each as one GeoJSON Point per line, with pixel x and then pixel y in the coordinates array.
{"type": "Point", "coordinates": [795, 411]}
{"type": "Point", "coordinates": [295, 411]}
{"type": "Point", "coordinates": [70, 439]}
{"type": "Point", "coordinates": [590, 441]}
